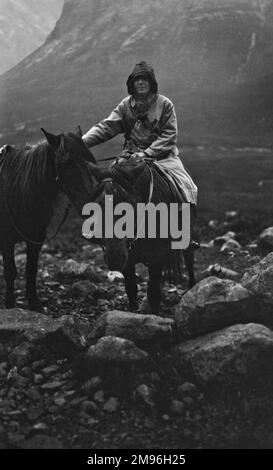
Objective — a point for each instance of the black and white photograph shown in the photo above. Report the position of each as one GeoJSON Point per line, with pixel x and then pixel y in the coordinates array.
{"type": "Point", "coordinates": [136, 228]}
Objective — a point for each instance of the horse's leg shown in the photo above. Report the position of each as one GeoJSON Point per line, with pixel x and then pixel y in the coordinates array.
{"type": "Point", "coordinates": [129, 274]}
{"type": "Point", "coordinates": [31, 274]}
{"type": "Point", "coordinates": [154, 291]}
{"type": "Point", "coordinates": [188, 255]}
{"type": "Point", "coordinates": [10, 273]}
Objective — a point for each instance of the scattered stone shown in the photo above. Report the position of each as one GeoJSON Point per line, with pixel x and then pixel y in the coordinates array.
{"type": "Point", "coordinates": [114, 275]}
{"type": "Point", "coordinates": [60, 401]}
{"type": "Point", "coordinates": [213, 223]}
{"type": "Point", "coordinates": [91, 385]}
{"type": "Point", "coordinates": [233, 356]}
{"type": "Point", "coordinates": [21, 258]}
{"type": "Point", "coordinates": [40, 427]}
{"type": "Point", "coordinates": [231, 214]}
{"type": "Point", "coordinates": [144, 392]}
{"type": "Point", "coordinates": [188, 389]}
{"type": "Point", "coordinates": [77, 401]}
{"type": "Point", "coordinates": [177, 407]}
{"type": "Point", "coordinates": [112, 405]}
{"type": "Point", "coordinates": [38, 365]}
{"type": "Point", "coordinates": [20, 381]}
{"type": "Point", "coordinates": [221, 272]}
{"type": "Point", "coordinates": [26, 372]}
{"type": "Point", "coordinates": [33, 393]}
{"type": "Point", "coordinates": [12, 374]}
{"type": "Point", "coordinates": [53, 385]}
{"type": "Point", "coordinates": [99, 396]}
{"type": "Point", "coordinates": [114, 351]}
{"type": "Point", "coordinates": [42, 441]}
{"type": "Point", "coordinates": [73, 269]}
{"type": "Point", "coordinates": [132, 326]}
{"type": "Point", "coordinates": [231, 246]}
{"type": "Point", "coordinates": [89, 407]}
{"type": "Point", "coordinates": [50, 370]}
{"type": "Point", "coordinates": [22, 354]}
{"type": "Point", "coordinates": [265, 239]}
{"type": "Point", "coordinates": [166, 417]}
{"type": "Point", "coordinates": [210, 244]}
{"type": "Point", "coordinates": [53, 409]}
{"type": "Point", "coordinates": [34, 413]}
{"type": "Point", "coordinates": [38, 379]}
{"type": "Point", "coordinates": [215, 303]}
{"type": "Point", "coordinates": [83, 289]}
{"type": "Point", "coordinates": [188, 401]}
{"type": "Point", "coordinates": [219, 241]}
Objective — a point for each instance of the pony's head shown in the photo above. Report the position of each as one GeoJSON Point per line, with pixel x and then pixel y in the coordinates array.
{"type": "Point", "coordinates": [75, 166]}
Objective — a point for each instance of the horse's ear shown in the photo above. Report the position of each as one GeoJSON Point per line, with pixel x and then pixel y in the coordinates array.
{"type": "Point", "coordinates": [53, 140]}
{"type": "Point", "coordinates": [79, 131]}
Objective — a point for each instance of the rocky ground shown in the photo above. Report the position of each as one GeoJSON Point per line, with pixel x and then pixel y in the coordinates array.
{"type": "Point", "coordinates": [85, 374]}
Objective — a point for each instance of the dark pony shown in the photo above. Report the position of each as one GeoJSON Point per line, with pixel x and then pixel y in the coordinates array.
{"type": "Point", "coordinates": [141, 181]}
{"type": "Point", "coordinates": [31, 178]}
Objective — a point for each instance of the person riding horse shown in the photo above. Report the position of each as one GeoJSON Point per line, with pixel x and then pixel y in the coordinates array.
{"type": "Point", "coordinates": [148, 121]}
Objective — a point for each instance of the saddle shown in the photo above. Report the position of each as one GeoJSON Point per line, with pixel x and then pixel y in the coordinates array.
{"type": "Point", "coordinates": [127, 170]}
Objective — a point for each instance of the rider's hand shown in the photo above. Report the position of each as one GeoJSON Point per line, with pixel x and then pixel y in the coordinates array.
{"type": "Point", "coordinates": [139, 155]}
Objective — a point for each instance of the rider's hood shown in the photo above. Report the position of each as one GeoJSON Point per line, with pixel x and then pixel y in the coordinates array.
{"type": "Point", "coordinates": [145, 70]}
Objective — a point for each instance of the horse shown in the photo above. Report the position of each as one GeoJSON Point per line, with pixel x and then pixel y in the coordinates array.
{"type": "Point", "coordinates": [141, 181]}
{"type": "Point", "coordinates": [31, 179]}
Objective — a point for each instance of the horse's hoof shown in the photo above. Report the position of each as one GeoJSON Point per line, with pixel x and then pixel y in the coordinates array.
{"type": "Point", "coordinates": [145, 307]}
{"type": "Point", "coordinates": [191, 285]}
{"type": "Point", "coordinates": [9, 301]}
{"type": "Point", "coordinates": [36, 306]}
{"type": "Point", "coordinates": [133, 307]}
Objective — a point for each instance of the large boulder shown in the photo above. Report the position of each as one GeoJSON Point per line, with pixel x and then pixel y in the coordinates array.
{"type": "Point", "coordinates": [213, 304]}
{"type": "Point", "coordinates": [135, 327]}
{"type": "Point", "coordinates": [111, 352]}
{"type": "Point", "coordinates": [259, 278]}
{"type": "Point", "coordinates": [237, 355]}
{"type": "Point", "coordinates": [67, 334]}
{"type": "Point", "coordinates": [265, 239]}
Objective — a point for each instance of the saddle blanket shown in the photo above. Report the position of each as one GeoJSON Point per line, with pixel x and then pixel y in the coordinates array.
{"type": "Point", "coordinates": [176, 173]}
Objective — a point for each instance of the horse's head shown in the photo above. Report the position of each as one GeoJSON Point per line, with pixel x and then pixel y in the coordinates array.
{"type": "Point", "coordinates": [124, 199]}
{"type": "Point", "coordinates": [75, 166]}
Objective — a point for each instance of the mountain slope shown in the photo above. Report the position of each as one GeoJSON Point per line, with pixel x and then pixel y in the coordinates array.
{"type": "Point", "coordinates": [24, 26]}
{"type": "Point", "coordinates": [211, 57]}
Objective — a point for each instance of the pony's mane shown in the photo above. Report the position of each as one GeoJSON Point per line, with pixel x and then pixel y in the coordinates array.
{"type": "Point", "coordinates": [24, 172]}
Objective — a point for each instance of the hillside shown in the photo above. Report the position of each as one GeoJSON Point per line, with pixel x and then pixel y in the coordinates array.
{"type": "Point", "coordinates": [211, 57]}
{"type": "Point", "coordinates": [24, 26]}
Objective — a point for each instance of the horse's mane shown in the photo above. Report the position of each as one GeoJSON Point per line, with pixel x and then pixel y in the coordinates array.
{"type": "Point", "coordinates": [24, 172]}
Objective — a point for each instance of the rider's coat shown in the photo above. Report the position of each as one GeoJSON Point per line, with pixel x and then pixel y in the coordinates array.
{"type": "Point", "coordinates": [153, 131]}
